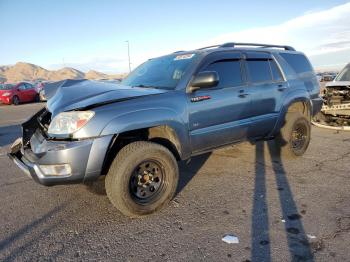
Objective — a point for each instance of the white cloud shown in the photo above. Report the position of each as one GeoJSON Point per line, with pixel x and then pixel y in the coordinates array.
{"type": "Point", "coordinates": [317, 33]}
{"type": "Point", "coordinates": [324, 35]}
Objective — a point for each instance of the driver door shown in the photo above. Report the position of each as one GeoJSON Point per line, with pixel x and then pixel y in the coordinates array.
{"type": "Point", "coordinates": [220, 115]}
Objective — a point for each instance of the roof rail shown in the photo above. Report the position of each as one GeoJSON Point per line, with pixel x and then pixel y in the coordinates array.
{"type": "Point", "coordinates": [232, 45]}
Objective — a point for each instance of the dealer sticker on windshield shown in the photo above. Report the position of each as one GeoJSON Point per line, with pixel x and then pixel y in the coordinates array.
{"type": "Point", "coordinates": [182, 57]}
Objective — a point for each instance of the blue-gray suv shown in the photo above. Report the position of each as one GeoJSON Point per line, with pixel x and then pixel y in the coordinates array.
{"type": "Point", "coordinates": [169, 109]}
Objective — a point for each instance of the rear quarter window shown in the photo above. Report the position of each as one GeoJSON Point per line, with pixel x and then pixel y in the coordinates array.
{"type": "Point", "coordinates": [297, 62]}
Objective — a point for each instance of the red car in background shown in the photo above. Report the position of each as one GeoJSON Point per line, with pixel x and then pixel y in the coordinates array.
{"type": "Point", "coordinates": [18, 93]}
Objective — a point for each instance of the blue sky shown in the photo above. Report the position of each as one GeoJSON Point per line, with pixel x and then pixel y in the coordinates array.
{"type": "Point", "coordinates": [91, 34]}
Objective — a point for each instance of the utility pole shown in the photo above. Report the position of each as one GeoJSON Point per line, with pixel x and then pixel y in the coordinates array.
{"type": "Point", "coordinates": [127, 41]}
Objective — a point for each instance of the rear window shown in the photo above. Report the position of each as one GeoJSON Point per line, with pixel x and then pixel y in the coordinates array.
{"type": "Point", "coordinates": [259, 70]}
{"type": "Point", "coordinates": [298, 62]}
{"type": "Point", "coordinates": [229, 72]}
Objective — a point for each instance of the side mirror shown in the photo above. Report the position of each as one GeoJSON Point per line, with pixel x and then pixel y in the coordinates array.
{"type": "Point", "coordinates": [206, 79]}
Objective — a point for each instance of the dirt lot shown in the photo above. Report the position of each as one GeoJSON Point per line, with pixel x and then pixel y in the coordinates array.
{"type": "Point", "coordinates": [295, 210]}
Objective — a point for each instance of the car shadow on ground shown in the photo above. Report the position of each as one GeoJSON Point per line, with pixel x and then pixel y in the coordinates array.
{"type": "Point", "coordinates": [298, 244]}
{"type": "Point", "coordinates": [27, 232]}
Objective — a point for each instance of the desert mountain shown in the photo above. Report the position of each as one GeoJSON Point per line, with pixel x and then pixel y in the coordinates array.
{"type": "Point", "coordinates": [29, 72]}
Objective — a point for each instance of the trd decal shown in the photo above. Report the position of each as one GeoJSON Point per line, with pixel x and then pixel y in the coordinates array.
{"type": "Point", "coordinates": [199, 98]}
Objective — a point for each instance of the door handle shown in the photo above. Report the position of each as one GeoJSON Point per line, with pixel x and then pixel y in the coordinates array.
{"type": "Point", "coordinates": [242, 94]}
{"type": "Point", "coordinates": [281, 88]}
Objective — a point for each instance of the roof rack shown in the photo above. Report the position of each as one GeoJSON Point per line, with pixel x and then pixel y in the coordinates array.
{"type": "Point", "coordinates": [232, 45]}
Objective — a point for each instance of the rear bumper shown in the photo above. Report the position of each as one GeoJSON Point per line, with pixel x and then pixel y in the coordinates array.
{"type": "Point", "coordinates": [85, 159]}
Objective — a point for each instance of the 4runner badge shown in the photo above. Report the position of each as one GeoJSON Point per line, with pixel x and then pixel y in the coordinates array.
{"type": "Point", "coordinates": [199, 98]}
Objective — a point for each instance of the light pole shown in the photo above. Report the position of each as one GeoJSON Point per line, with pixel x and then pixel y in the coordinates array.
{"type": "Point", "coordinates": [129, 55]}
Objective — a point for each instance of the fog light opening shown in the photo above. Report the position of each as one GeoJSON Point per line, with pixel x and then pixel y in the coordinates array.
{"type": "Point", "coordinates": [56, 170]}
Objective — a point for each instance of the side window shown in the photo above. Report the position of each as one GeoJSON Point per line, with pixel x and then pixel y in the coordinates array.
{"type": "Point", "coordinates": [22, 87]}
{"type": "Point", "coordinates": [229, 72]}
{"type": "Point", "coordinates": [28, 86]}
{"type": "Point", "coordinates": [298, 62]}
{"type": "Point", "coordinates": [276, 73]}
{"type": "Point", "coordinates": [259, 70]}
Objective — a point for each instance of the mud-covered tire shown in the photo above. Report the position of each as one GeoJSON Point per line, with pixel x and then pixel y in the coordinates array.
{"type": "Point", "coordinates": [294, 137]}
{"type": "Point", "coordinates": [120, 180]}
{"type": "Point", "coordinates": [15, 100]}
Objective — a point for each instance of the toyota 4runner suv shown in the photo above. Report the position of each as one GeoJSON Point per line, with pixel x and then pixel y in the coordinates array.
{"type": "Point", "coordinates": [169, 109]}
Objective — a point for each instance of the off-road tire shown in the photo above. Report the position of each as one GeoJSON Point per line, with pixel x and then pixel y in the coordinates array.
{"type": "Point", "coordinates": [284, 140]}
{"type": "Point", "coordinates": [15, 100]}
{"type": "Point", "coordinates": [118, 178]}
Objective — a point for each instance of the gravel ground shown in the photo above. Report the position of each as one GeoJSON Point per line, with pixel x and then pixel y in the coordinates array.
{"type": "Point", "coordinates": [281, 210]}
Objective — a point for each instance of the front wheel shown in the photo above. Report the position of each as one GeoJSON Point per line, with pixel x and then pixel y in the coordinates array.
{"type": "Point", "coordinates": [294, 137]}
{"type": "Point", "coordinates": [15, 100]}
{"type": "Point", "coordinates": [142, 178]}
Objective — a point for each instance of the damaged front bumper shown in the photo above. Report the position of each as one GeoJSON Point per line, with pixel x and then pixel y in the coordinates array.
{"type": "Point", "coordinates": [51, 162]}
{"type": "Point", "coordinates": [335, 111]}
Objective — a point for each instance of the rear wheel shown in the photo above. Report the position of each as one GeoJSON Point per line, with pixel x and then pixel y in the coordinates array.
{"type": "Point", "coordinates": [294, 136]}
{"type": "Point", "coordinates": [15, 100]}
{"type": "Point", "coordinates": [142, 178]}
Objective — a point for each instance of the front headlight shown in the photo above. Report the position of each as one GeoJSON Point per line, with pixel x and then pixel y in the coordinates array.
{"type": "Point", "coordinates": [67, 123]}
{"type": "Point", "coordinates": [6, 94]}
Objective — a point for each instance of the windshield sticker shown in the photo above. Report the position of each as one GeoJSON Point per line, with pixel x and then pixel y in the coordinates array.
{"type": "Point", "coordinates": [177, 74]}
{"type": "Point", "coordinates": [182, 57]}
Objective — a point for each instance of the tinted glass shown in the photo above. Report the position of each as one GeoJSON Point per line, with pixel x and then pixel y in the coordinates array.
{"type": "Point", "coordinates": [298, 62]}
{"type": "Point", "coordinates": [259, 70]}
{"type": "Point", "coordinates": [28, 86]}
{"type": "Point", "coordinates": [22, 87]}
{"type": "Point", "coordinates": [276, 74]}
{"type": "Point", "coordinates": [163, 72]}
{"type": "Point", "coordinates": [229, 72]}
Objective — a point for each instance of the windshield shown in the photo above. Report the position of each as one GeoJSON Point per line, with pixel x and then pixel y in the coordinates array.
{"type": "Point", "coordinates": [6, 87]}
{"type": "Point", "coordinates": [344, 75]}
{"type": "Point", "coordinates": [163, 72]}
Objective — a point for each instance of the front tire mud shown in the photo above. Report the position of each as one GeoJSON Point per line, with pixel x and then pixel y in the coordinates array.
{"type": "Point", "coordinates": [159, 180]}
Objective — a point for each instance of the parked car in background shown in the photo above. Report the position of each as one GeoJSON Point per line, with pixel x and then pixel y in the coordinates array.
{"type": "Point", "coordinates": [40, 89]}
{"type": "Point", "coordinates": [335, 111]}
{"type": "Point", "coordinates": [18, 93]}
{"type": "Point", "coordinates": [328, 78]}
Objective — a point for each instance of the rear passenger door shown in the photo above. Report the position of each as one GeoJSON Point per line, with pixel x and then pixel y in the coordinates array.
{"type": "Point", "coordinates": [266, 88]}
{"type": "Point", "coordinates": [219, 115]}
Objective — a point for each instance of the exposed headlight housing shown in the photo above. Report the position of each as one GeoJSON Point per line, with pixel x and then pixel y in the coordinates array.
{"type": "Point", "coordinates": [6, 94]}
{"type": "Point", "coordinates": [67, 123]}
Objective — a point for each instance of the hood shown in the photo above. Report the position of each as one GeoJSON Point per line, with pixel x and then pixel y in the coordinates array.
{"type": "Point", "coordinates": [338, 83]}
{"type": "Point", "coordinates": [76, 94]}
